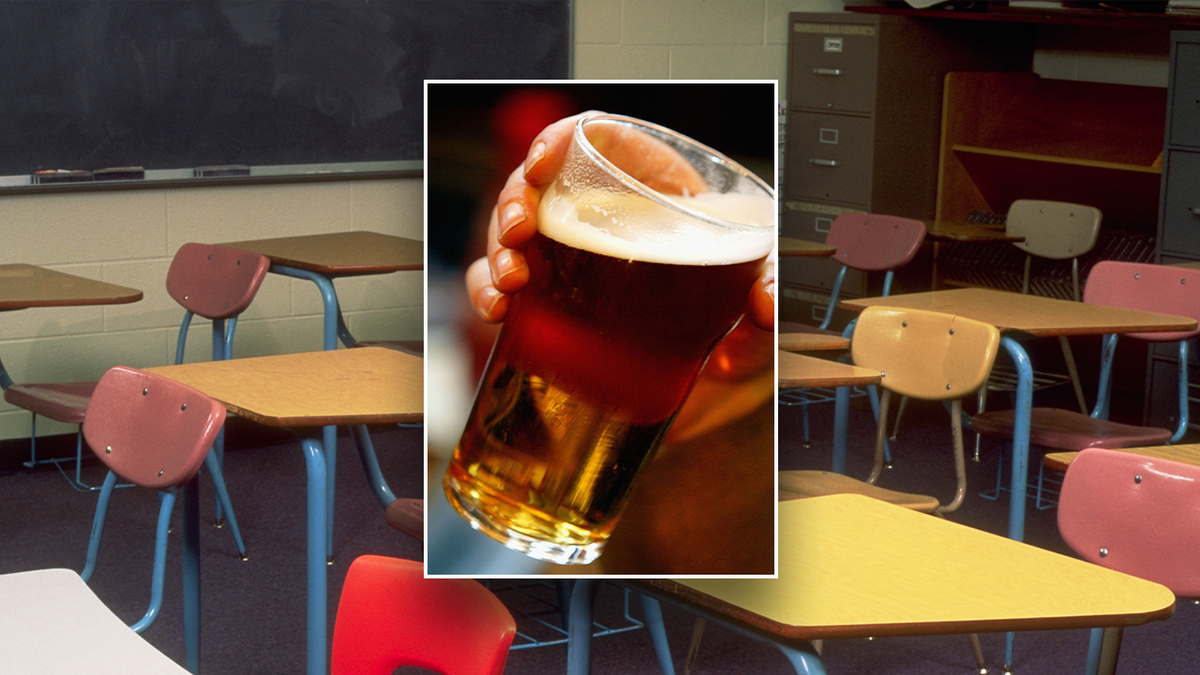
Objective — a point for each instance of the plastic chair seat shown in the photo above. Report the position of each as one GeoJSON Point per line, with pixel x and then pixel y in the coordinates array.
{"type": "Point", "coordinates": [1069, 430]}
{"type": "Point", "coordinates": [60, 401]}
{"type": "Point", "coordinates": [804, 484]}
{"type": "Point", "coordinates": [408, 516]}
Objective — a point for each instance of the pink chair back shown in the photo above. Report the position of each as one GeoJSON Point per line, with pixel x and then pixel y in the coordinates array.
{"type": "Point", "coordinates": [149, 430]}
{"type": "Point", "coordinates": [216, 282]}
{"type": "Point", "coordinates": [1134, 514]}
{"type": "Point", "coordinates": [871, 242]}
{"type": "Point", "coordinates": [1151, 288]}
{"type": "Point", "coordinates": [389, 616]}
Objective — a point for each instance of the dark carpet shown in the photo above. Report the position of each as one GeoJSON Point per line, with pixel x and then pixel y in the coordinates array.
{"type": "Point", "coordinates": [253, 612]}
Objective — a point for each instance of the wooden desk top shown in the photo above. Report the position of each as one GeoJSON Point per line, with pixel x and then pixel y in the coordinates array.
{"type": "Point", "coordinates": [341, 253]}
{"type": "Point", "coordinates": [811, 342]}
{"type": "Point", "coordinates": [798, 370]}
{"type": "Point", "coordinates": [370, 385]}
{"type": "Point", "coordinates": [1188, 453]}
{"type": "Point", "coordinates": [852, 566]}
{"type": "Point", "coordinates": [790, 246]}
{"type": "Point", "coordinates": [970, 232]}
{"type": "Point", "coordinates": [54, 625]}
{"type": "Point", "coordinates": [1031, 314]}
{"type": "Point", "coordinates": [23, 286]}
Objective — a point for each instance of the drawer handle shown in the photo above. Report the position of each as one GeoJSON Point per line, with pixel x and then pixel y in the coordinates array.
{"type": "Point", "coordinates": [828, 71]}
{"type": "Point", "coordinates": [823, 162]}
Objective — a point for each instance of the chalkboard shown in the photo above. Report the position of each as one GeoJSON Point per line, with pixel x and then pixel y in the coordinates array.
{"type": "Point", "coordinates": [178, 84]}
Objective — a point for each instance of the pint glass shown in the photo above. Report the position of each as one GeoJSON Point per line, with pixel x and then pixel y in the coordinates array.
{"type": "Point", "coordinates": [630, 289]}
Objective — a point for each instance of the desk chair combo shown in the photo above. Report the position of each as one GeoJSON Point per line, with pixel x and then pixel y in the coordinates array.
{"type": "Point", "coordinates": [215, 282]}
{"type": "Point", "coordinates": [1143, 286]}
{"type": "Point", "coordinates": [926, 355]}
{"type": "Point", "coordinates": [867, 242]}
{"type": "Point", "coordinates": [1055, 231]}
{"type": "Point", "coordinates": [1135, 514]}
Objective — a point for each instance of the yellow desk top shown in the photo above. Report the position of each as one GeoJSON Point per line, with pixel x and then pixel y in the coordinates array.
{"type": "Point", "coordinates": [852, 566]}
{"type": "Point", "coordinates": [341, 253]}
{"type": "Point", "coordinates": [1031, 314]}
{"type": "Point", "coordinates": [370, 385]}
{"type": "Point", "coordinates": [1188, 453]}
{"type": "Point", "coordinates": [23, 286]}
{"type": "Point", "coordinates": [812, 342]}
{"type": "Point", "coordinates": [791, 246]}
{"type": "Point", "coordinates": [798, 370]}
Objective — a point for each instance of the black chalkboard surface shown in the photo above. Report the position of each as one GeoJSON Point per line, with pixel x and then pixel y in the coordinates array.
{"type": "Point", "coordinates": [177, 84]}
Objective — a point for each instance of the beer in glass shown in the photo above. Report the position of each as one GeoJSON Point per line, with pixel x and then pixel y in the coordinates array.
{"type": "Point", "coordinates": [630, 289]}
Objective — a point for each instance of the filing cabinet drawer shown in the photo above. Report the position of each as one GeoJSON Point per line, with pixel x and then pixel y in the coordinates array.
{"type": "Point", "coordinates": [1185, 96]}
{"type": "Point", "coordinates": [829, 157]}
{"type": "Point", "coordinates": [1181, 207]}
{"type": "Point", "coordinates": [832, 66]}
{"type": "Point", "coordinates": [1163, 405]}
{"type": "Point", "coordinates": [809, 220]}
{"type": "Point", "coordinates": [819, 273]}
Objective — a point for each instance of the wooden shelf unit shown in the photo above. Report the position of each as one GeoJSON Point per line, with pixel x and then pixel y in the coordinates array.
{"type": "Point", "coordinates": [1008, 136]}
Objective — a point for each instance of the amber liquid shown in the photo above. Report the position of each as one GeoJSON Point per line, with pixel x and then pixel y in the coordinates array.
{"type": "Point", "coordinates": [596, 357]}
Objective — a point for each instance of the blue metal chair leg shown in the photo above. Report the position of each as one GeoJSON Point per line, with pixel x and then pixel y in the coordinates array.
{"type": "Point", "coordinates": [166, 504]}
{"type": "Point", "coordinates": [191, 575]}
{"type": "Point", "coordinates": [366, 452]}
{"type": "Point", "coordinates": [314, 460]}
{"type": "Point", "coordinates": [218, 479]}
{"type": "Point", "coordinates": [658, 634]}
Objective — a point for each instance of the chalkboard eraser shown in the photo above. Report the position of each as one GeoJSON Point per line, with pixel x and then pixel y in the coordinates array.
{"type": "Point", "coordinates": [120, 173]}
{"type": "Point", "coordinates": [223, 170]}
{"type": "Point", "coordinates": [48, 176]}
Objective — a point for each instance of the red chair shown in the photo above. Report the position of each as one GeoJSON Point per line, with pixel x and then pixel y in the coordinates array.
{"type": "Point", "coordinates": [215, 282]}
{"type": "Point", "coordinates": [154, 433]}
{"type": "Point", "coordinates": [389, 616]}
{"type": "Point", "coordinates": [1134, 514]}
{"type": "Point", "coordinates": [1143, 286]}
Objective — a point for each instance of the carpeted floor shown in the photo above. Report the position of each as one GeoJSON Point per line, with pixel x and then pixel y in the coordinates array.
{"type": "Point", "coordinates": [254, 611]}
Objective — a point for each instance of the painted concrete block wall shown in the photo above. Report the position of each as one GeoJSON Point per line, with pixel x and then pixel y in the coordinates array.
{"type": "Point", "coordinates": [129, 238]}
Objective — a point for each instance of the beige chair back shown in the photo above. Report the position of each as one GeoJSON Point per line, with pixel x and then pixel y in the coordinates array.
{"type": "Point", "coordinates": [926, 355]}
{"type": "Point", "coordinates": [1056, 230]}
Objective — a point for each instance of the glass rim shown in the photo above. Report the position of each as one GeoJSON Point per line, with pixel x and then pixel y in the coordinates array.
{"type": "Point", "coordinates": [654, 195]}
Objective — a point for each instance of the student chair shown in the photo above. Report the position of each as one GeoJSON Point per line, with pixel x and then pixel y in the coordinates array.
{"type": "Point", "coordinates": [408, 516]}
{"type": "Point", "coordinates": [1144, 286]}
{"type": "Point", "coordinates": [1055, 231]}
{"type": "Point", "coordinates": [215, 282]}
{"type": "Point", "coordinates": [867, 242]}
{"type": "Point", "coordinates": [923, 354]}
{"type": "Point", "coordinates": [154, 433]}
{"type": "Point", "coordinates": [1134, 514]}
{"type": "Point", "coordinates": [389, 616]}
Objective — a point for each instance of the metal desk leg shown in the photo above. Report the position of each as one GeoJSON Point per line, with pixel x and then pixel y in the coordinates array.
{"type": "Point", "coordinates": [579, 629]}
{"type": "Point", "coordinates": [366, 452]}
{"type": "Point", "coordinates": [1020, 459]}
{"type": "Point", "coordinates": [314, 461]}
{"type": "Point", "coordinates": [841, 417]}
{"type": "Point", "coordinates": [191, 574]}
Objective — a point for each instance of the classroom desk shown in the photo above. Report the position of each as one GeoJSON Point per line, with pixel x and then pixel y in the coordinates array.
{"type": "Point", "coordinates": [305, 392]}
{"type": "Point", "coordinates": [811, 342]}
{"type": "Point", "coordinates": [26, 286]}
{"type": "Point", "coordinates": [800, 371]}
{"type": "Point", "coordinates": [791, 246]}
{"type": "Point", "coordinates": [948, 233]}
{"type": "Point", "coordinates": [53, 624]}
{"type": "Point", "coordinates": [1188, 453]}
{"type": "Point", "coordinates": [321, 258]}
{"type": "Point", "coordinates": [1023, 315]}
{"type": "Point", "coordinates": [841, 579]}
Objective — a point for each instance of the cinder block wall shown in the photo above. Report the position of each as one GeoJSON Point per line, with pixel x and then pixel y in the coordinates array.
{"type": "Point", "coordinates": [129, 238]}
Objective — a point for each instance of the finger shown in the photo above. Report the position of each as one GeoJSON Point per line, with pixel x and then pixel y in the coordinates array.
{"type": "Point", "coordinates": [516, 219]}
{"type": "Point", "coordinates": [509, 272]}
{"type": "Point", "coordinates": [549, 148]}
{"type": "Point", "coordinates": [489, 303]}
{"type": "Point", "coordinates": [762, 299]}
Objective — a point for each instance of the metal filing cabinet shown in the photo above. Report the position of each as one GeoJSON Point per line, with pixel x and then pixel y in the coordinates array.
{"type": "Point", "coordinates": [1178, 220]}
{"type": "Point", "coordinates": [864, 97]}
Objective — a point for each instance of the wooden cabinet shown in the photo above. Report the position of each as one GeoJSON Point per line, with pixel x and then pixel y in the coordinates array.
{"type": "Point", "coordinates": [864, 100]}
